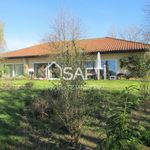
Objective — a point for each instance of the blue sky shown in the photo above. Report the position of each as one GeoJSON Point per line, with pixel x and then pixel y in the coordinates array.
{"type": "Point", "coordinates": [27, 21]}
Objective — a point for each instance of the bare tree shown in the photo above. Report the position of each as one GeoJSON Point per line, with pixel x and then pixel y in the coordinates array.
{"type": "Point", "coordinates": [112, 32]}
{"type": "Point", "coordinates": [66, 27]}
{"type": "Point", "coordinates": [2, 41]}
{"type": "Point", "coordinates": [132, 33]}
{"type": "Point", "coordinates": [65, 32]}
{"type": "Point", "coordinates": [70, 106]}
{"type": "Point", "coordinates": [146, 25]}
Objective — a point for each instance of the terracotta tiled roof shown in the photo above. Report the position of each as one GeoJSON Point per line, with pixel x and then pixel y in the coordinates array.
{"type": "Point", "coordinates": [106, 45]}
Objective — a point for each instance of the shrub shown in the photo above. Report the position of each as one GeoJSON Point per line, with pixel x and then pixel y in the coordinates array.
{"type": "Point", "coordinates": [39, 108]}
{"type": "Point", "coordinates": [70, 109]}
{"type": "Point", "coordinates": [29, 85]}
{"type": "Point", "coordinates": [138, 66]}
{"type": "Point", "coordinates": [120, 134]}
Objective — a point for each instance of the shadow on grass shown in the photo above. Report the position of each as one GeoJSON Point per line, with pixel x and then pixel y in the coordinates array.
{"type": "Point", "coordinates": [12, 103]}
{"type": "Point", "coordinates": [18, 130]}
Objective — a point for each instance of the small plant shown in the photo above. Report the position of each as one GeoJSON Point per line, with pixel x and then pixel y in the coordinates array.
{"type": "Point", "coordinates": [40, 108]}
{"type": "Point", "coordinates": [29, 85]}
{"type": "Point", "coordinates": [70, 108]}
{"type": "Point", "coordinates": [119, 132]}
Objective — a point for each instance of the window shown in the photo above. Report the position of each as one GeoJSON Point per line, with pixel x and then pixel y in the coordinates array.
{"type": "Point", "coordinates": [14, 70]}
{"type": "Point", "coordinates": [111, 66]}
{"type": "Point", "coordinates": [39, 69]}
{"type": "Point", "coordinates": [89, 64]}
{"type": "Point", "coordinates": [19, 69]}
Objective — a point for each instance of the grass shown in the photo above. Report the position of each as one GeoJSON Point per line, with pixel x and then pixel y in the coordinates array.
{"type": "Point", "coordinates": [112, 84]}
{"type": "Point", "coordinates": [12, 103]}
{"type": "Point", "coordinates": [13, 123]}
{"type": "Point", "coordinates": [105, 84]}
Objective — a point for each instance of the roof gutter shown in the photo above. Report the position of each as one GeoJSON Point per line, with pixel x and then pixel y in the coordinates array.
{"type": "Point", "coordinates": [92, 52]}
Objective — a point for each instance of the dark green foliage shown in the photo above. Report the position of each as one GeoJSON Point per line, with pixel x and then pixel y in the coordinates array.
{"type": "Point", "coordinates": [138, 66]}
{"type": "Point", "coordinates": [145, 137]}
{"type": "Point", "coordinates": [120, 133]}
{"type": "Point", "coordinates": [63, 109]}
{"type": "Point", "coordinates": [2, 69]}
{"type": "Point", "coordinates": [110, 113]}
{"type": "Point", "coordinates": [29, 85]}
{"type": "Point", "coordinates": [145, 90]}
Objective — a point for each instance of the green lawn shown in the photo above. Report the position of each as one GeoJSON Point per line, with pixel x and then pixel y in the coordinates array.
{"type": "Point", "coordinates": [112, 84]}
{"type": "Point", "coordinates": [12, 103]}
{"type": "Point", "coordinates": [107, 84]}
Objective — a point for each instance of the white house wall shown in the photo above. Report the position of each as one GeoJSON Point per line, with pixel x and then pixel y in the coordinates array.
{"type": "Point", "coordinates": [29, 62]}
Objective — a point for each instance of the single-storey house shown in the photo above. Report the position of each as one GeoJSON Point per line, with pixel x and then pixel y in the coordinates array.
{"type": "Point", "coordinates": [36, 58]}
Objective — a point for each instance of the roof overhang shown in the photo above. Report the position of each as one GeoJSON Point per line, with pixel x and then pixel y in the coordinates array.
{"type": "Point", "coordinates": [92, 52]}
{"type": "Point", "coordinates": [119, 51]}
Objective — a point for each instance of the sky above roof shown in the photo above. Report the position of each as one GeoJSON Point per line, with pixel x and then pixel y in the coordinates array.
{"type": "Point", "coordinates": [27, 21]}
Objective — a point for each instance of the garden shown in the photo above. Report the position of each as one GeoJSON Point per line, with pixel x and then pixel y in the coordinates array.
{"type": "Point", "coordinates": [104, 115]}
{"type": "Point", "coordinates": [76, 114]}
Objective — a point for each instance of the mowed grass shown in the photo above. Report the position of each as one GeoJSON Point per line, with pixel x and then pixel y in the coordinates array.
{"type": "Point", "coordinates": [12, 104]}
{"type": "Point", "coordinates": [105, 84]}
{"type": "Point", "coordinates": [14, 96]}
{"type": "Point", "coordinates": [112, 84]}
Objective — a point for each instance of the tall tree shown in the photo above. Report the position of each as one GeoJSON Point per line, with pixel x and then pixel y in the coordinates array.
{"type": "Point", "coordinates": [112, 32]}
{"type": "Point", "coordinates": [132, 33]}
{"type": "Point", "coordinates": [2, 41]}
{"type": "Point", "coordinates": [147, 23]}
{"type": "Point", "coordinates": [2, 47]}
{"type": "Point", "coordinates": [70, 106]}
